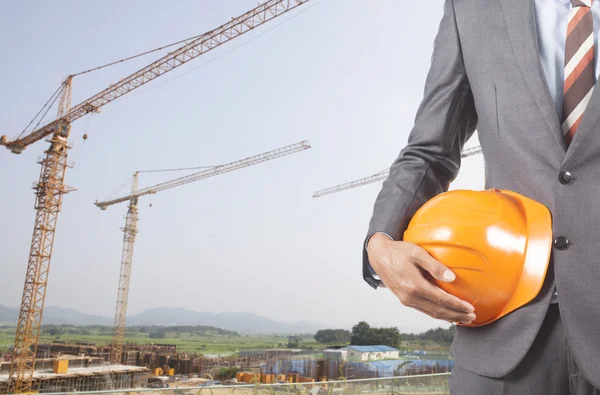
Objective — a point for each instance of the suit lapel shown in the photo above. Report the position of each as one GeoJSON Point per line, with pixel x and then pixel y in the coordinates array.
{"type": "Point", "coordinates": [519, 17]}
{"type": "Point", "coordinates": [590, 117]}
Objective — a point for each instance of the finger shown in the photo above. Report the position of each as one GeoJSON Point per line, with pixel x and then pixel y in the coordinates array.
{"type": "Point", "coordinates": [442, 313]}
{"type": "Point", "coordinates": [413, 286]}
{"type": "Point", "coordinates": [437, 269]}
{"type": "Point", "coordinates": [443, 298]}
{"type": "Point", "coordinates": [448, 321]}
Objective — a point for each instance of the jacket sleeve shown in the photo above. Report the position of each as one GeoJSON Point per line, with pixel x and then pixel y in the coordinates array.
{"type": "Point", "coordinates": [445, 120]}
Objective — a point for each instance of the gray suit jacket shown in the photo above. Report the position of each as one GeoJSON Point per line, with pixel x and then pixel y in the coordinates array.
{"type": "Point", "coordinates": [486, 74]}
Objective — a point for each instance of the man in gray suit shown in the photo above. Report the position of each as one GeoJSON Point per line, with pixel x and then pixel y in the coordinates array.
{"type": "Point", "coordinates": [521, 72]}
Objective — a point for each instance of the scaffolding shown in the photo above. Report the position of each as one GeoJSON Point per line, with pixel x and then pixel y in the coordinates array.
{"type": "Point", "coordinates": [85, 379]}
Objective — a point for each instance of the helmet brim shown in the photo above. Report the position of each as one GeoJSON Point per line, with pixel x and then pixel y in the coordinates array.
{"type": "Point", "coordinates": [537, 254]}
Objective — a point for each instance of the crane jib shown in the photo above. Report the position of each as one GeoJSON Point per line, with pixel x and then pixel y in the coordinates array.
{"type": "Point", "coordinates": [216, 37]}
{"type": "Point", "coordinates": [217, 170]}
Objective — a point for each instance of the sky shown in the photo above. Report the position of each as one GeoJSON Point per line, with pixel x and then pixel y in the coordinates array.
{"type": "Point", "coordinates": [346, 75]}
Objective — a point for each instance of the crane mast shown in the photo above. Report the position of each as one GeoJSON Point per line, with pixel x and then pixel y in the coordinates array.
{"type": "Point", "coordinates": [49, 192]}
{"type": "Point", "coordinates": [382, 175]}
{"type": "Point", "coordinates": [129, 233]}
{"type": "Point", "coordinates": [130, 230]}
{"type": "Point", "coordinates": [51, 188]}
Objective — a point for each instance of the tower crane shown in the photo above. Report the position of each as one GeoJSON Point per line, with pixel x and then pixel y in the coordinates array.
{"type": "Point", "coordinates": [382, 175]}
{"type": "Point", "coordinates": [131, 229]}
{"type": "Point", "coordinates": [50, 188]}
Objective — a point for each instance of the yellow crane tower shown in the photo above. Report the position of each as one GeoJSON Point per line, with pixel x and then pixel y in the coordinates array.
{"type": "Point", "coordinates": [382, 175]}
{"type": "Point", "coordinates": [131, 229]}
{"type": "Point", "coordinates": [50, 188]}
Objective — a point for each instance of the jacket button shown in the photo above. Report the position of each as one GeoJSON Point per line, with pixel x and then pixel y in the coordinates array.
{"type": "Point", "coordinates": [561, 243]}
{"type": "Point", "coordinates": [565, 177]}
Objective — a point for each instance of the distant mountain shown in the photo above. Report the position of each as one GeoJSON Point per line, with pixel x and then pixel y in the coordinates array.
{"type": "Point", "coordinates": [166, 316]}
{"type": "Point", "coordinates": [56, 315]}
{"type": "Point", "coordinates": [239, 322]}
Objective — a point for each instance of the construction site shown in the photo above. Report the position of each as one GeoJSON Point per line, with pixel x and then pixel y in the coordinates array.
{"type": "Point", "coordinates": [85, 367]}
{"type": "Point", "coordinates": [33, 367]}
{"type": "Point", "coordinates": [25, 373]}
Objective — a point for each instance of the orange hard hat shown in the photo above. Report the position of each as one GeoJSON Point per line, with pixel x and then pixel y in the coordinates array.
{"type": "Point", "coordinates": [498, 244]}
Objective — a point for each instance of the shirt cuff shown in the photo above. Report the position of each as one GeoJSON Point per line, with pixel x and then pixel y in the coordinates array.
{"type": "Point", "coordinates": [371, 271]}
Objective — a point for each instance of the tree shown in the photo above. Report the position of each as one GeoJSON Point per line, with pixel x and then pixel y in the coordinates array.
{"type": "Point", "coordinates": [333, 336]}
{"type": "Point", "coordinates": [364, 335]}
{"type": "Point", "coordinates": [361, 333]}
{"type": "Point", "coordinates": [293, 342]}
{"type": "Point", "coordinates": [438, 335]}
{"type": "Point", "coordinates": [56, 331]}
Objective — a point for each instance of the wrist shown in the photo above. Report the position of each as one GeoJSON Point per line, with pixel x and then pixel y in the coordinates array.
{"type": "Point", "coordinates": [378, 240]}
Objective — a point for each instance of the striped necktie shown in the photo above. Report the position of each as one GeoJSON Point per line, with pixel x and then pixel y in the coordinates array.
{"type": "Point", "coordinates": [580, 77]}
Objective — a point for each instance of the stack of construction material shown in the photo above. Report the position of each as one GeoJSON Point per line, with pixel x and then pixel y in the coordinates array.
{"type": "Point", "coordinates": [267, 378]}
{"type": "Point", "coordinates": [130, 358]}
{"type": "Point", "coordinates": [61, 366]}
{"type": "Point", "coordinates": [247, 377]}
{"type": "Point", "coordinates": [182, 364]}
{"type": "Point", "coordinates": [149, 358]}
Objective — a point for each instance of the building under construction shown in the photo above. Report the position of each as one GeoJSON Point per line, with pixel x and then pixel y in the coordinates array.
{"type": "Point", "coordinates": [50, 189]}
{"type": "Point", "coordinates": [78, 375]}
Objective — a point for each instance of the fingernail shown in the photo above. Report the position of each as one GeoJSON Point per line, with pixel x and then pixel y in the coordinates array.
{"type": "Point", "coordinates": [471, 317]}
{"type": "Point", "coordinates": [449, 276]}
{"type": "Point", "coordinates": [465, 322]}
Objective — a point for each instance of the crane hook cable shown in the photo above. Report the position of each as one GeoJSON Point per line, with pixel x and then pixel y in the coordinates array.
{"type": "Point", "coordinates": [54, 96]}
{"type": "Point", "coordinates": [138, 55]}
{"type": "Point", "coordinates": [219, 56]}
{"type": "Point", "coordinates": [118, 190]}
{"type": "Point", "coordinates": [128, 180]}
{"type": "Point", "coordinates": [52, 99]}
{"type": "Point", "coordinates": [169, 45]}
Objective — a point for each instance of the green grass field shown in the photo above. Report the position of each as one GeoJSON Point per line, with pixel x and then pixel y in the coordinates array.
{"type": "Point", "coordinates": [185, 342]}
{"type": "Point", "coordinates": [198, 342]}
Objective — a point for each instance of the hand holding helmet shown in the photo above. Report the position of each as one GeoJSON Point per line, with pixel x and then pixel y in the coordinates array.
{"type": "Point", "coordinates": [403, 268]}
